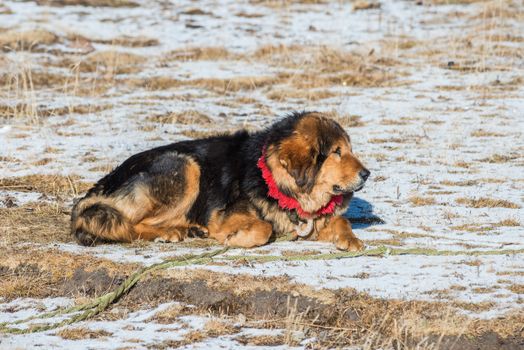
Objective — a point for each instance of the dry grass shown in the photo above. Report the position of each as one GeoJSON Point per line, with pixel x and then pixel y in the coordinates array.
{"type": "Point", "coordinates": [109, 63]}
{"type": "Point", "coordinates": [473, 228]}
{"type": "Point", "coordinates": [78, 333]}
{"type": "Point", "coordinates": [26, 40]}
{"type": "Point", "coordinates": [200, 53]}
{"type": "Point", "coordinates": [485, 133]}
{"type": "Point", "coordinates": [500, 158]}
{"type": "Point", "coordinates": [309, 95]}
{"type": "Point", "coordinates": [34, 222]}
{"type": "Point", "coordinates": [517, 288]}
{"type": "Point", "coordinates": [347, 120]}
{"type": "Point", "coordinates": [213, 84]}
{"type": "Point", "coordinates": [126, 41]}
{"type": "Point", "coordinates": [217, 327]}
{"type": "Point", "coordinates": [199, 134]}
{"type": "Point", "coordinates": [261, 340]}
{"type": "Point", "coordinates": [42, 273]}
{"type": "Point", "coordinates": [365, 5]}
{"type": "Point", "coordinates": [508, 223]}
{"type": "Point", "coordinates": [485, 202]}
{"type": "Point", "coordinates": [50, 185]}
{"type": "Point", "coordinates": [170, 314]}
{"type": "Point", "coordinates": [190, 117]}
{"type": "Point", "coordinates": [422, 201]}
{"type": "Point", "coordinates": [93, 3]}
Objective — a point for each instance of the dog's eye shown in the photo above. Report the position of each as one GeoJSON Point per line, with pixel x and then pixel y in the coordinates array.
{"type": "Point", "coordinates": [338, 151]}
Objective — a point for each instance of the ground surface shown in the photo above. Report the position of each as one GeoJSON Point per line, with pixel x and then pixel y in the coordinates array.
{"type": "Point", "coordinates": [431, 93]}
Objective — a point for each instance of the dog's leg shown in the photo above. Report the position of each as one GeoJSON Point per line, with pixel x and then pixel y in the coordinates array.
{"type": "Point", "coordinates": [151, 233]}
{"type": "Point", "coordinates": [243, 230]}
{"type": "Point", "coordinates": [338, 230]}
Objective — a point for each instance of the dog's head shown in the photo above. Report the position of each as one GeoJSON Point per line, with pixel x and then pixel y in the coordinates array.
{"type": "Point", "coordinates": [311, 158]}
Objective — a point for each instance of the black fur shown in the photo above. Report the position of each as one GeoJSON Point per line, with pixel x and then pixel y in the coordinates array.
{"type": "Point", "coordinates": [228, 167]}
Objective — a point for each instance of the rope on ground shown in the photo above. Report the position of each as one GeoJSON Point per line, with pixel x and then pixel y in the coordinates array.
{"type": "Point", "coordinates": [101, 303]}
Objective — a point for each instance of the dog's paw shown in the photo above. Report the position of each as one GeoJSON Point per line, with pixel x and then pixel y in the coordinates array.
{"type": "Point", "coordinates": [351, 244]}
{"type": "Point", "coordinates": [172, 238]}
{"type": "Point", "coordinates": [197, 232]}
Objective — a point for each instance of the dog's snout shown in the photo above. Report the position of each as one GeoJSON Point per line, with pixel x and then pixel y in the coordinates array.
{"type": "Point", "coordinates": [364, 174]}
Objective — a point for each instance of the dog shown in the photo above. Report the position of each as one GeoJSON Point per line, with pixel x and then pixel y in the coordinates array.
{"type": "Point", "coordinates": [295, 178]}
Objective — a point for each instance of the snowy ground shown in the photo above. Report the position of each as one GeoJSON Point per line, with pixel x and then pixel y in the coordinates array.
{"type": "Point", "coordinates": [431, 94]}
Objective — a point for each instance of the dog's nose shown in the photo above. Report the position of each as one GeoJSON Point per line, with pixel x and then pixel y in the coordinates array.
{"type": "Point", "coordinates": [364, 174]}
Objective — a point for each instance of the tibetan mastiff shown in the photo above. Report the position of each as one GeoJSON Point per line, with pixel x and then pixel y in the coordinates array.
{"type": "Point", "coordinates": [296, 177]}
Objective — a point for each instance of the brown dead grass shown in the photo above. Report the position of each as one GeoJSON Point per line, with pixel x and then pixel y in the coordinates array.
{"type": "Point", "coordinates": [50, 185]}
{"type": "Point", "coordinates": [213, 84]}
{"type": "Point", "coordinates": [508, 223]}
{"type": "Point", "coordinates": [365, 5]}
{"type": "Point", "coordinates": [79, 333]}
{"type": "Point", "coordinates": [261, 340]}
{"type": "Point", "coordinates": [485, 133]}
{"type": "Point", "coordinates": [39, 273]}
{"type": "Point", "coordinates": [216, 327]}
{"type": "Point", "coordinates": [199, 134]}
{"type": "Point", "coordinates": [322, 66]}
{"type": "Point", "coordinates": [517, 288]}
{"type": "Point", "coordinates": [485, 202]}
{"type": "Point", "coordinates": [379, 317]}
{"type": "Point", "coordinates": [422, 201]}
{"type": "Point", "coordinates": [170, 314]}
{"type": "Point", "coordinates": [309, 95]}
{"type": "Point", "coordinates": [500, 158]}
{"type": "Point", "coordinates": [108, 62]}
{"type": "Point", "coordinates": [35, 223]}
{"type": "Point", "coordinates": [26, 40]}
{"type": "Point", "coordinates": [91, 3]}
{"type": "Point", "coordinates": [125, 40]}
{"type": "Point", "coordinates": [186, 117]}
{"type": "Point", "coordinates": [347, 120]}
{"type": "Point", "coordinates": [28, 81]}
{"type": "Point", "coordinates": [200, 53]}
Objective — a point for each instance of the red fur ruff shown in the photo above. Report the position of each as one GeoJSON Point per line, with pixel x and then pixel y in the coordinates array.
{"type": "Point", "coordinates": [289, 203]}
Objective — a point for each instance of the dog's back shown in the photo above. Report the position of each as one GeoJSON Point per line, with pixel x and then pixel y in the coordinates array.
{"type": "Point", "coordinates": [161, 192]}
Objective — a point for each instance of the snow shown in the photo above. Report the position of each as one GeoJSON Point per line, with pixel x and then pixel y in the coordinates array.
{"type": "Point", "coordinates": [435, 126]}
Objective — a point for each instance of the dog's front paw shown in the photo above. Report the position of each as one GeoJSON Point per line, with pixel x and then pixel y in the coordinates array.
{"type": "Point", "coordinates": [351, 244]}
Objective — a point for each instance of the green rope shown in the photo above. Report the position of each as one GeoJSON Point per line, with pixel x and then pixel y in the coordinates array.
{"type": "Point", "coordinates": [101, 303]}
{"type": "Point", "coordinates": [379, 251]}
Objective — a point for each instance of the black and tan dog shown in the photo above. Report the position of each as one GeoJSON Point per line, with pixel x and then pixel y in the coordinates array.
{"type": "Point", "coordinates": [297, 176]}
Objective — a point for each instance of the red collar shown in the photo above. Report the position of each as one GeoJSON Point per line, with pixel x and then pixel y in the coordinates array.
{"type": "Point", "coordinates": [289, 203]}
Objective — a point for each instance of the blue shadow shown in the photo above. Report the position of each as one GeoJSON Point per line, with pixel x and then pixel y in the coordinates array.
{"type": "Point", "coordinates": [360, 214]}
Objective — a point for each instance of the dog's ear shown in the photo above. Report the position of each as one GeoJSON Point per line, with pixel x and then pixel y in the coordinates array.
{"type": "Point", "coordinates": [298, 155]}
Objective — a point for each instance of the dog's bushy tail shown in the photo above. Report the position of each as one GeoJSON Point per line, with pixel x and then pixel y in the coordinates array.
{"type": "Point", "coordinates": [96, 220]}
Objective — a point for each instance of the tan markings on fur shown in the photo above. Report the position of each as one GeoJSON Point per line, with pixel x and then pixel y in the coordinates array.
{"type": "Point", "coordinates": [113, 230]}
{"type": "Point", "coordinates": [239, 229]}
{"type": "Point", "coordinates": [279, 172]}
{"type": "Point", "coordinates": [135, 206]}
{"type": "Point", "coordinates": [338, 230]}
{"type": "Point", "coordinates": [169, 222]}
{"type": "Point", "coordinates": [342, 171]}
{"type": "Point", "coordinates": [279, 218]}
{"type": "Point", "coordinates": [150, 233]}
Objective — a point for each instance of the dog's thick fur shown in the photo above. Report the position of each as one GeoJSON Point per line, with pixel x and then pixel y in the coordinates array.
{"type": "Point", "coordinates": [213, 187]}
